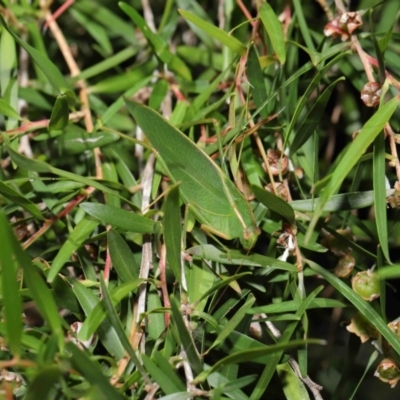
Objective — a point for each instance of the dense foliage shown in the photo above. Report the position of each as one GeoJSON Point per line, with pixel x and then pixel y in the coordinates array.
{"type": "Point", "coordinates": [199, 199]}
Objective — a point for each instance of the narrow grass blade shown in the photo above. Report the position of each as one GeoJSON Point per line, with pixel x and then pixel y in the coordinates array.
{"type": "Point", "coordinates": [275, 203]}
{"type": "Point", "coordinates": [361, 305]}
{"type": "Point", "coordinates": [18, 199]}
{"type": "Point", "coordinates": [92, 372]}
{"type": "Point", "coordinates": [81, 232]}
{"type": "Point", "coordinates": [50, 70]}
{"type": "Point", "coordinates": [274, 29]}
{"type": "Point", "coordinates": [41, 386]}
{"type": "Point", "coordinates": [12, 304]}
{"type": "Point", "coordinates": [223, 37]}
{"type": "Point", "coordinates": [122, 258]}
{"type": "Point", "coordinates": [292, 386]}
{"type": "Point", "coordinates": [250, 355]}
{"type": "Point", "coordinates": [120, 218]}
{"type": "Point", "coordinates": [60, 114]}
{"type": "Point", "coordinates": [185, 337]}
{"type": "Point", "coordinates": [173, 231]}
{"type": "Point", "coordinates": [8, 111]}
{"type": "Point", "coordinates": [380, 205]}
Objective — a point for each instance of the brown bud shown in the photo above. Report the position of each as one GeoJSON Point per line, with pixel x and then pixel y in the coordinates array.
{"type": "Point", "coordinates": [371, 94]}
{"type": "Point", "coordinates": [362, 327]}
{"type": "Point", "coordinates": [345, 266]}
{"type": "Point", "coordinates": [278, 162]}
{"type": "Point", "coordinates": [343, 25]}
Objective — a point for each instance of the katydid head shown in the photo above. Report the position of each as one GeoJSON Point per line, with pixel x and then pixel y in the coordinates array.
{"type": "Point", "coordinates": [250, 236]}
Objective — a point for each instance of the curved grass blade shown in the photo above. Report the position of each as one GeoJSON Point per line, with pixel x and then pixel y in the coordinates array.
{"type": "Point", "coordinates": [210, 195]}
{"type": "Point", "coordinates": [357, 148]}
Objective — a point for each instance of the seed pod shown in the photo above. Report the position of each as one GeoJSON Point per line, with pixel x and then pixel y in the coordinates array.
{"type": "Point", "coordinates": [394, 326]}
{"type": "Point", "coordinates": [388, 371]}
{"type": "Point", "coordinates": [366, 284]}
{"type": "Point", "coordinates": [363, 328]}
{"type": "Point", "coordinates": [371, 94]}
{"type": "Point", "coordinates": [345, 266]}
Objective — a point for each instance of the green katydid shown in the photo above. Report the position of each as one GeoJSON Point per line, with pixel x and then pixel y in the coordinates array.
{"type": "Point", "coordinates": [212, 197]}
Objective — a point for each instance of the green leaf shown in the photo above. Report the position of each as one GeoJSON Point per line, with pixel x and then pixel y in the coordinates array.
{"type": "Point", "coordinates": [91, 370]}
{"type": "Point", "coordinates": [313, 118]}
{"type": "Point", "coordinates": [274, 30]}
{"type": "Point", "coordinates": [363, 306]}
{"type": "Point", "coordinates": [121, 256]}
{"type": "Point", "coordinates": [119, 218]}
{"type": "Point", "coordinates": [60, 114]}
{"type": "Point", "coordinates": [235, 257]}
{"type": "Point", "coordinates": [163, 378]}
{"type": "Point", "coordinates": [210, 195]}
{"type": "Point", "coordinates": [43, 383]}
{"type": "Point", "coordinates": [292, 386]}
{"type": "Point", "coordinates": [233, 322]}
{"type": "Point", "coordinates": [291, 305]}
{"type": "Point", "coordinates": [117, 325]}
{"type": "Point", "coordinates": [20, 200]}
{"type": "Point", "coordinates": [106, 332]}
{"type": "Point", "coordinates": [159, 44]}
{"type": "Point", "coordinates": [357, 148]}
{"type": "Point", "coordinates": [380, 205]}
{"type": "Point", "coordinates": [185, 336]}
{"type": "Point", "coordinates": [257, 82]}
{"type": "Point", "coordinates": [275, 203]}
{"type": "Point", "coordinates": [76, 140]}
{"type": "Point", "coordinates": [215, 32]}
{"type": "Point", "coordinates": [12, 305]}
{"type": "Point", "coordinates": [40, 166]}
{"type": "Point", "coordinates": [40, 293]}
{"type": "Point", "coordinates": [50, 70]}
{"type": "Point", "coordinates": [340, 202]}
{"type": "Point", "coordinates": [253, 354]}
{"type": "Point", "coordinates": [76, 238]}
{"type": "Point", "coordinates": [98, 314]}
{"type": "Point", "coordinates": [8, 111]}
{"type": "Point", "coordinates": [172, 231]}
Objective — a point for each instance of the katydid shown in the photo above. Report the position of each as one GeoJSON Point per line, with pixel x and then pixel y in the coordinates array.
{"type": "Point", "coordinates": [212, 197]}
